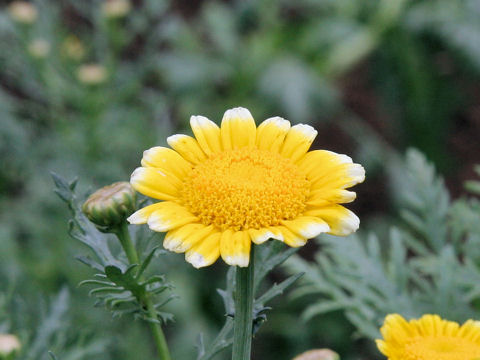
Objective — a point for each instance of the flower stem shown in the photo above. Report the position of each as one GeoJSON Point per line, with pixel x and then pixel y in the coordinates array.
{"type": "Point", "coordinates": [158, 336]}
{"type": "Point", "coordinates": [127, 244]}
{"type": "Point", "coordinates": [243, 320]}
{"type": "Point", "coordinates": [157, 332]}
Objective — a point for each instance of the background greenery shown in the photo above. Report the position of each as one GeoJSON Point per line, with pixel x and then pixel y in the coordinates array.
{"type": "Point", "coordinates": [374, 77]}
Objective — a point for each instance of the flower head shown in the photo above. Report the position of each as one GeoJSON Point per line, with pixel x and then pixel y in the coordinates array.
{"type": "Point", "coordinates": [318, 354]}
{"type": "Point", "coordinates": [23, 12]}
{"type": "Point", "coordinates": [39, 48]}
{"type": "Point", "coordinates": [9, 345]}
{"type": "Point", "coordinates": [428, 338]}
{"type": "Point", "coordinates": [238, 183]}
{"type": "Point", "coordinates": [92, 74]}
{"type": "Point", "coordinates": [116, 8]}
{"type": "Point", "coordinates": [73, 48]}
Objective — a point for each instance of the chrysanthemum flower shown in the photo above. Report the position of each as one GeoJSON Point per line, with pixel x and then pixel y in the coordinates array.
{"type": "Point", "coordinates": [429, 338]}
{"type": "Point", "coordinates": [237, 184]}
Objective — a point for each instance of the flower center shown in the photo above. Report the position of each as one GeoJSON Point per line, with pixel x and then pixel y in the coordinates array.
{"type": "Point", "coordinates": [441, 348]}
{"type": "Point", "coordinates": [245, 188]}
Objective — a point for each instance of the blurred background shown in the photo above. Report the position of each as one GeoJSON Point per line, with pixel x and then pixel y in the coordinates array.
{"type": "Point", "coordinates": [86, 86]}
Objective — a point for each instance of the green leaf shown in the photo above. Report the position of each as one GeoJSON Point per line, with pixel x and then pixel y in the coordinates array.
{"type": "Point", "coordinates": [146, 262]}
{"type": "Point", "coordinates": [81, 228]}
{"type": "Point", "coordinates": [268, 256]}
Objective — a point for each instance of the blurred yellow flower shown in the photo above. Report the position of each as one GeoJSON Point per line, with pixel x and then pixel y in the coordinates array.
{"type": "Point", "coordinates": [92, 74]}
{"type": "Point", "coordinates": [73, 48]}
{"type": "Point", "coordinates": [23, 12]}
{"type": "Point", "coordinates": [39, 48]}
{"type": "Point", "coordinates": [116, 8]}
{"type": "Point", "coordinates": [238, 184]}
{"type": "Point", "coordinates": [429, 338]}
{"type": "Point", "coordinates": [8, 345]}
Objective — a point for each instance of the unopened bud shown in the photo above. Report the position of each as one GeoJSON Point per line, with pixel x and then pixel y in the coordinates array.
{"type": "Point", "coordinates": [92, 74]}
{"type": "Point", "coordinates": [318, 354]}
{"type": "Point", "coordinates": [109, 206]}
{"type": "Point", "coordinates": [116, 8]}
{"type": "Point", "coordinates": [23, 12]}
{"type": "Point", "coordinates": [9, 346]}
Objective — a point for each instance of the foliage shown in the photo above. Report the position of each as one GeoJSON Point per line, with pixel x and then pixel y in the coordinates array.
{"type": "Point", "coordinates": [267, 257]}
{"type": "Point", "coordinates": [121, 287]}
{"type": "Point", "coordinates": [425, 266]}
{"type": "Point", "coordinates": [374, 77]}
{"type": "Point", "coordinates": [46, 328]}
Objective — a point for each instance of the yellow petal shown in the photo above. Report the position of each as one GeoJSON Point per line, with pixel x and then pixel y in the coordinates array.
{"type": "Point", "coordinates": [271, 133]}
{"type": "Point", "coordinates": [290, 238]}
{"type": "Point", "coordinates": [342, 221]}
{"type": "Point", "coordinates": [170, 215]}
{"type": "Point", "coordinates": [323, 159]}
{"type": "Point", "coordinates": [298, 141]}
{"type": "Point", "coordinates": [207, 134]}
{"type": "Point", "coordinates": [259, 236]}
{"type": "Point", "coordinates": [183, 238]}
{"type": "Point", "coordinates": [382, 347]}
{"type": "Point", "coordinates": [326, 169]}
{"type": "Point", "coordinates": [166, 159]}
{"type": "Point", "coordinates": [155, 183]}
{"type": "Point", "coordinates": [235, 248]}
{"type": "Point", "coordinates": [324, 197]}
{"type": "Point", "coordinates": [188, 147]}
{"type": "Point", "coordinates": [307, 226]}
{"type": "Point", "coordinates": [238, 129]}
{"type": "Point", "coordinates": [341, 177]}
{"type": "Point", "coordinates": [205, 252]}
{"type": "Point", "coordinates": [141, 216]}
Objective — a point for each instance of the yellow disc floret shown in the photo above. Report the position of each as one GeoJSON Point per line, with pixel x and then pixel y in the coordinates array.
{"type": "Point", "coordinates": [245, 189]}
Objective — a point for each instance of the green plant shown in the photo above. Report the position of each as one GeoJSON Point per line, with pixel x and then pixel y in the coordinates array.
{"type": "Point", "coordinates": [425, 266]}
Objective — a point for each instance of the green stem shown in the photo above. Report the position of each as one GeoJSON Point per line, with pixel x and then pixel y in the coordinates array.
{"type": "Point", "coordinates": [158, 336]}
{"type": "Point", "coordinates": [243, 320]}
{"type": "Point", "coordinates": [157, 332]}
{"type": "Point", "coordinates": [127, 244]}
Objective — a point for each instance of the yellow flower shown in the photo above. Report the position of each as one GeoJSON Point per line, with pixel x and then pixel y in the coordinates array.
{"type": "Point", "coordinates": [429, 338]}
{"type": "Point", "coordinates": [237, 184]}
{"type": "Point", "coordinates": [73, 48]}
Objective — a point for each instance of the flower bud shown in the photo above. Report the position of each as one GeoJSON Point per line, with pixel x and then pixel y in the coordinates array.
{"type": "Point", "coordinates": [318, 354]}
{"type": "Point", "coordinates": [23, 12]}
{"type": "Point", "coordinates": [115, 8]}
{"type": "Point", "coordinates": [109, 206]}
{"type": "Point", "coordinates": [39, 48]}
{"type": "Point", "coordinates": [92, 74]}
{"type": "Point", "coordinates": [9, 346]}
